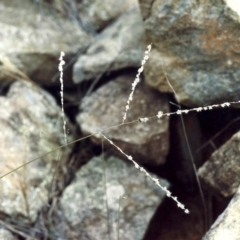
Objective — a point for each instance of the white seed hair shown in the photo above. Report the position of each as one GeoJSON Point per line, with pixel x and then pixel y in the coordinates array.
{"type": "Point", "coordinates": [60, 68]}
{"type": "Point", "coordinates": [143, 119]}
{"type": "Point", "coordinates": [159, 114]}
{"type": "Point", "coordinates": [136, 81]}
{"type": "Point", "coordinates": [155, 180]}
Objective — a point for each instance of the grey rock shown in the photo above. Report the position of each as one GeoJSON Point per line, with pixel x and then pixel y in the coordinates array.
{"type": "Point", "coordinates": [227, 225]}
{"type": "Point", "coordinates": [197, 45]}
{"type": "Point", "coordinates": [145, 142]}
{"type": "Point", "coordinates": [94, 15]}
{"type": "Point", "coordinates": [221, 172]}
{"type": "Point", "coordinates": [6, 235]}
{"type": "Point", "coordinates": [110, 197]}
{"type": "Point", "coordinates": [119, 46]}
{"type": "Point", "coordinates": [31, 126]}
{"type": "Point", "coordinates": [97, 14]}
{"type": "Point", "coordinates": [31, 41]}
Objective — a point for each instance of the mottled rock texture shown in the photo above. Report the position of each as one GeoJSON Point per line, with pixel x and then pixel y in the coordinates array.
{"type": "Point", "coordinates": [104, 201]}
{"type": "Point", "coordinates": [221, 172]}
{"type": "Point", "coordinates": [197, 44]}
{"type": "Point", "coordinates": [146, 142]}
{"type": "Point", "coordinates": [97, 14]}
{"type": "Point", "coordinates": [30, 126]}
{"type": "Point", "coordinates": [5, 234]}
{"type": "Point", "coordinates": [119, 46]}
{"type": "Point", "coordinates": [227, 225]}
{"type": "Point", "coordinates": [31, 40]}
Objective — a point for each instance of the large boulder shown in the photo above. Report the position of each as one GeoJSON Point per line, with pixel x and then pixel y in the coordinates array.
{"type": "Point", "coordinates": [221, 172]}
{"type": "Point", "coordinates": [196, 43]}
{"type": "Point", "coordinates": [119, 46]}
{"type": "Point", "coordinates": [31, 126]}
{"type": "Point", "coordinates": [146, 142]}
{"type": "Point", "coordinates": [104, 202]}
{"type": "Point", "coordinates": [31, 40]}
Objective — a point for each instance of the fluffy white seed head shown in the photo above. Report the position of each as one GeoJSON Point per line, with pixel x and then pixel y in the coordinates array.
{"type": "Point", "coordinates": [136, 81]}
{"type": "Point", "coordinates": [159, 114]}
{"type": "Point", "coordinates": [60, 68]}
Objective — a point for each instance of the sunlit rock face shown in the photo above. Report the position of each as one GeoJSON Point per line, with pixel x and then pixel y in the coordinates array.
{"type": "Point", "coordinates": [196, 43]}
{"type": "Point", "coordinates": [146, 142]}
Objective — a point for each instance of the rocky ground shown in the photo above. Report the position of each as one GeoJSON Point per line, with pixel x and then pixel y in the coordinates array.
{"type": "Point", "coordinates": [88, 189]}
